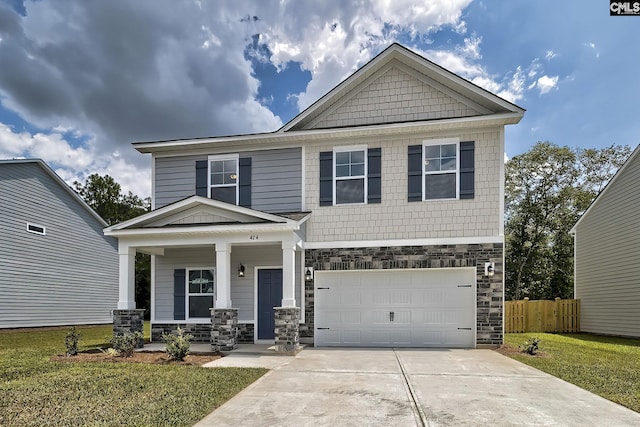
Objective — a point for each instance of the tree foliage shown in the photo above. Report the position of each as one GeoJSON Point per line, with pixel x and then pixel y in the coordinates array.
{"type": "Point", "coordinates": [547, 189]}
{"type": "Point", "coordinates": [105, 196]}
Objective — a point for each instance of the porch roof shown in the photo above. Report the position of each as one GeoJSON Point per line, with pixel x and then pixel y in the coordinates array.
{"type": "Point", "coordinates": [196, 214]}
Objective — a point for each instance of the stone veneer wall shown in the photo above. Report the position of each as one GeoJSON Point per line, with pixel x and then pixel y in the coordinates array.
{"type": "Point", "coordinates": [224, 328]}
{"type": "Point", "coordinates": [489, 290]}
{"type": "Point", "coordinates": [201, 331]}
{"type": "Point", "coordinates": [287, 333]}
{"type": "Point", "coordinates": [128, 321]}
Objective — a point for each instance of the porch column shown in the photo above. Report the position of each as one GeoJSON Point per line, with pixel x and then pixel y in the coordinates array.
{"type": "Point", "coordinates": [223, 276]}
{"type": "Point", "coordinates": [127, 282]}
{"type": "Point", "coordinates": [288, 274]}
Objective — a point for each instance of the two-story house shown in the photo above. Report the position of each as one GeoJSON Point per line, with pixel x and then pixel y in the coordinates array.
{"type": "Point", "coordinates": [373, 218]}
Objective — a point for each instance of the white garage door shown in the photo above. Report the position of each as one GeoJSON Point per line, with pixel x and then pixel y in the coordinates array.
{"type": "Point", "coordinates": [395, 308]}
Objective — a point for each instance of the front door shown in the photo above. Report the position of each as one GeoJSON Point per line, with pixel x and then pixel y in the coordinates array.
{"type": "Point", "coordinates": [269, 296]}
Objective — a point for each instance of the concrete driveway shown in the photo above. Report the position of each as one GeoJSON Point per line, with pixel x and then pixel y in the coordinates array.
{"type": "Point", "coordinates": [410, 388]}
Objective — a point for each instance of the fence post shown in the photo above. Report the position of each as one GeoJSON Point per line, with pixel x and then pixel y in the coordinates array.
{"type": "Point", "coordinates": [556, 315]}
{"type": "Point", "coordinates": [525, 312]}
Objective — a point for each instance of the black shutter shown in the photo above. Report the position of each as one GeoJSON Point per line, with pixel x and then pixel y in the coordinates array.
{"type": "Point", "coordinates": [179, 286]}
{"type": "Point", "coordinates": [244, 182]}
{"type": "Point", "coordinates": [374, 175]}
{"type": "Point", "coordinates": [326, 178]}
{"type": "Point", "coordinates": [467, 169]}
{"type": "Point", "coordinates": [415, 173]}
{"type": "Point", "coordinates": [202, 169]}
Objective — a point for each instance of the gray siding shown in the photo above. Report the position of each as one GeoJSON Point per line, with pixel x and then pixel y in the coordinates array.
{"type": "Point", "coordinates": [242, 289]}
{"type": "Point", "coordinates": [608, 258]}
{"type": "Point", "coordinates": [68, 276]}
{"type": "Point", "coordinates": [276, 179]}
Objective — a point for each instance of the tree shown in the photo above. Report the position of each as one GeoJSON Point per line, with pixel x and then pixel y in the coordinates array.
{"type": "Point", "coordinates": [547, 189]}
{"type": "Point", "coordinates": [105, 196]}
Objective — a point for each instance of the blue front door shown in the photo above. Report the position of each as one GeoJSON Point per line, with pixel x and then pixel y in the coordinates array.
{"type": "Point", "coordinates": [269, 296]}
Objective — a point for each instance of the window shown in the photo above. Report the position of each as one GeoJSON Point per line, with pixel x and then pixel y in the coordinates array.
{"type": "Point", "coordinates": [36, 229]}
{"type": "Point", "coordinates": [440, 170]}
{"type": "Point", "coordinates": [350, 182]}
{"type": "Point", "coordinates": [223, 178]}
{"type": "Point", "coordinates": [200, 292]}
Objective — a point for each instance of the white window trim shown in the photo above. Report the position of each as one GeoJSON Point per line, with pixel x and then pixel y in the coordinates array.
{"type": "Point", "coordinates": [366, 169]}
{"type": "Point", "coordinates": [187, 294]}
{"type": "Point", "coordinates": [44, 229]}
{"type": "Point", "coordinates": [223, 157]}
{"type": "Point", "coordinates": [443, 141]}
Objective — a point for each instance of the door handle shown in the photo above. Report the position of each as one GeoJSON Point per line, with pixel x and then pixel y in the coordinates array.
{"type": "Point", "coordinates": [391, 316]}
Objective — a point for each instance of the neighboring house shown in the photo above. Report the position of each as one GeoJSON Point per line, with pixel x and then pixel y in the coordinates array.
{"type": "Point", "coordinates": [373, 218]}
{"type": "Point", "coordinates": [607, 256]}
{"type": "Point", "coordinates": [56, 265]}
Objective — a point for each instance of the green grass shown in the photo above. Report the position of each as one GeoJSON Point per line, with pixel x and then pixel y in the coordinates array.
{"type": "Point", "coordinates": [36, 391]}
{"type": "Point", "coordinates": [607, 366]}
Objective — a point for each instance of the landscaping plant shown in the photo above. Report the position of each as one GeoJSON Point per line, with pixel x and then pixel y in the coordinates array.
{"type": "Point", "coordinates": [177, 345]}
{"type": "Point", "coordinates": [530, 347]}
{"type": "Point", "coordinates": [125, 344]}
{"type": "Point", "coordinates": [71, 341]}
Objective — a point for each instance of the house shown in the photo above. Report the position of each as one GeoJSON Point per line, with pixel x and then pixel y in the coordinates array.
{"type": "Point", "coordinates": [607, 256]}
{"type": "Point", "coordinates": [56, 265]}
{"type": "Point", "coordinates": [373, 218]}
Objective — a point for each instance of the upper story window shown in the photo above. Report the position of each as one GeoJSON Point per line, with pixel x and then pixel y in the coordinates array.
{"type": "Point", "coordinates": [350, 175]}
{"type": "Point", "coordinates": [440, 170]}
{"type": "Point", "coordinates": [223, 178]}
{"type": "Point", "coordinates": [200, 292]}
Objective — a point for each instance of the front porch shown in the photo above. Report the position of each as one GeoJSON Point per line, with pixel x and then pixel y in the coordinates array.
{"type": "Point", "coordinates": [224, 273]}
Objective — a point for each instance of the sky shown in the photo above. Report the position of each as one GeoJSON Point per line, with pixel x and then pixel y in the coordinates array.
{"type": "Point", "coordinates": [80, 80]}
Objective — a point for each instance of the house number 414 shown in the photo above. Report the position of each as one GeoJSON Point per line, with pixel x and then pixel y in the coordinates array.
{"type": "Point", "coordinates": [254, 237]}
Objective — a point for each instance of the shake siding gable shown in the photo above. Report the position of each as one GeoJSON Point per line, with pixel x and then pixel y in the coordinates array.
{"type": "Point", "coordinates": [394, 96]}
{"type": "Point", "coordinates": [607, 255]}
{"type": "Point", "coordinates": [67, 276]}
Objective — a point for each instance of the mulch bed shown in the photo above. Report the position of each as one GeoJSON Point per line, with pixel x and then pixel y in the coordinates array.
{"type": "Point", "coordinates": [508, 350]}
{"type": "Point", "coordinates": [149, 357]}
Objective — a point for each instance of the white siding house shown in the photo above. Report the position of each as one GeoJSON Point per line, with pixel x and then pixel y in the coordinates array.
{"type": "Point", "coordinates": [607, 256]}
{"type": "Point", "coordinates": [374, 218]}
{"type": "Point", "coordinates": [56, 266]}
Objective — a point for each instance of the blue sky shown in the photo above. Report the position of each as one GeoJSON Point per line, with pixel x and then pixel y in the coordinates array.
{"type": "Point", "coordinates": [80, 81]}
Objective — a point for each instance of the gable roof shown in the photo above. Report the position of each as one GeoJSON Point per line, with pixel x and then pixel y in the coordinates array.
{"type": "Point", "coordinates": [492, 110]}
{"type": "Point", "coordinates": [482, 98]}
{"type": "Point", "coordinates": [635, 154]}
{"type": "Point", "coordinates": [212, 214]}
{"type": "Point", "coordinates": [60, 182]}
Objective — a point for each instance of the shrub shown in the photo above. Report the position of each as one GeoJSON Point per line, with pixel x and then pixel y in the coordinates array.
{"type": "Point", "coordinates": [125, 344]}
{"type": "Point", "coordinates": [177, 346]}
{"type": "Point", "coordinates": [530, 347]}
{"type": "Point", "coordinates": [71, 340]}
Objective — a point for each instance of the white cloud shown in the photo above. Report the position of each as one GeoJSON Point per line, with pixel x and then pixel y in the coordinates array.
{"type": "Point", "coordinates": [73, 163]}
{"type": "Point", "coordinates": [546, 83]}
{"type": "Point", "coordinates": [550, 55]}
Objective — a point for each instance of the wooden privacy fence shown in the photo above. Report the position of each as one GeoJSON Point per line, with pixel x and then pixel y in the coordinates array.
{"type": "Point", "coordinates": [561, 315]}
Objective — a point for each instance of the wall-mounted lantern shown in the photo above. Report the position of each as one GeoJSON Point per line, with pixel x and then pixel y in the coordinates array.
{"type": "Point", "coordinates": [308, 274]}
{"type": "Point", "coordinates": [241, 271]}
{"type": "Point", "coordinates": [489, 269]}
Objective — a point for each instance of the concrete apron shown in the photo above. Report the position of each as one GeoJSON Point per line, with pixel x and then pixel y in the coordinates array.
{"type": "Point", "coordinates": [412, 387]}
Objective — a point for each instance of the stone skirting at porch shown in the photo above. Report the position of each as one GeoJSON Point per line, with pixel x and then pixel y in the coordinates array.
{"type": "Point", "coordinates": [224, 328]}
{"type": "Point", "coordinates": [201, 331]}
{"type": "Point", "coordinates": [287, 329]}
{"type": "Point", "coordinates": [489, 298]}
{"type": "Point", "coordinates": [125, 321]}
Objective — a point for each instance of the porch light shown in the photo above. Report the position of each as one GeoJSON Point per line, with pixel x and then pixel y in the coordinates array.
{"type": "Point", "coordinates": [241, 271]}
{"type": "Point", "coordinates": [308, 274]}
{"type": "Point", "coordinates": [489, 269]}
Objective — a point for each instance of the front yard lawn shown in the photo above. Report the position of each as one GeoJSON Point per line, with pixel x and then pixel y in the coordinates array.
{"type": "Point", "coordinates": [607, 366]}
{"type": "Point", "coordinates": [34, 390]}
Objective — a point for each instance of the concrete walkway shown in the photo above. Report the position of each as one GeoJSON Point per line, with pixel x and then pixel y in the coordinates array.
{"type": "Point", "coordinates": [409, 388]}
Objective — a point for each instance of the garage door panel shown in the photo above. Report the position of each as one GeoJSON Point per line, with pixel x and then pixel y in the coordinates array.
{"type": "Point", "coordinates": [431, 308]}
